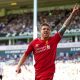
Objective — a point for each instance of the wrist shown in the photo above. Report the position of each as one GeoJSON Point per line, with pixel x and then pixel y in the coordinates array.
{"type": "Point", "coordinates": [18, 66]}
{"type": "Point", "coordinates": [73, 13]}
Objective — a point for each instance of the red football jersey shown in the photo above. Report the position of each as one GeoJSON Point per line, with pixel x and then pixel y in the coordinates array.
{"type": "Point", "coordinates": [44, 54]}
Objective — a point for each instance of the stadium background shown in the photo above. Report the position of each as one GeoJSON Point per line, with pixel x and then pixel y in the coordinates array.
{"type": "Point", "coordinates": [16, 31]}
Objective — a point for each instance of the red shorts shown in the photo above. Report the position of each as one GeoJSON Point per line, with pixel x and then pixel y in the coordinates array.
{"type": "Point", "coordinates": [45, 77]}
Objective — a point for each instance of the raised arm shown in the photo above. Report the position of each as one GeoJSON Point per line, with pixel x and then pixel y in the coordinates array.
{"type": "Point", "coordinates": [69, 19]}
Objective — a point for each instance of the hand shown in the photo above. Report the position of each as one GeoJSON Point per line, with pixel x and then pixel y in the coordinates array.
{"type": "Point", "coordinates": [18, 70]}
{"type": "Point", "coordinates": [75, 9]}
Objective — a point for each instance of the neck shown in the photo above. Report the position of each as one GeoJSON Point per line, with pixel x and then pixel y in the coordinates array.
{"type": "Point", "coordinates": [46, 38]}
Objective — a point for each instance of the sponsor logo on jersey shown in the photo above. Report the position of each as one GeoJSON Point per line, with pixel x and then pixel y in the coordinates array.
{"type": "Point", "coordinates": [41, 49]}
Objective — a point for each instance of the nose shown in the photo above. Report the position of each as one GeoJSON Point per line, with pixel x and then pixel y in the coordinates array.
{"type": "Point", "coordinates": [46, 29]}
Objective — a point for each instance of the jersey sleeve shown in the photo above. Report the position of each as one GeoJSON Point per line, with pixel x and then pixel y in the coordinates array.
{"type": "Point", "coordinates": [29, 49]}
{"type": "Point", "coordinates": [57, 38]}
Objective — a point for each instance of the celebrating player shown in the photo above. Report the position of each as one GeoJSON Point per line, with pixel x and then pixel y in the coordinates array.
{"type": "Point", "coordinates": [44, 49]}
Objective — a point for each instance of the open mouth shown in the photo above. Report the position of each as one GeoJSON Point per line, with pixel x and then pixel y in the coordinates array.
{"type": "Point", "coordinates": [45, 33]}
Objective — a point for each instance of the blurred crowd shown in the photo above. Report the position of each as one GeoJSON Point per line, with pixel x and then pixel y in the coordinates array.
{"type": "Point", "coordinates": [22, 24]}
{"type": "Point", "coordinates": [13, 59]}
{"type": "Point", "coordinates": [17, 23]}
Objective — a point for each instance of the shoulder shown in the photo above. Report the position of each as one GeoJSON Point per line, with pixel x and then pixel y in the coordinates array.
{"type": "Point", "coordinates": [34, 41]}
{"type": "Point", "coordinates": [56, 34]}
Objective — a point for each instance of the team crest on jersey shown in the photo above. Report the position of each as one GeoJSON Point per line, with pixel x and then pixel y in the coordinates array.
{"type": "Point", "coordinates": [36, 45]}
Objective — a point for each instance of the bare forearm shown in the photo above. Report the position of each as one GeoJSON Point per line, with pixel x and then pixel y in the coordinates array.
{"type": "Point", "coordinates": [68, 20]}
{"type": "Point", "coordinates": [22, 60]}
{"type": "Point", "coordinates": [66, 24]}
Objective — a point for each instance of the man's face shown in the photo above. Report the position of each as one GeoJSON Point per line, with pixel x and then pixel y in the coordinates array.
{"type": "Point", "coordinates": [45, 31]}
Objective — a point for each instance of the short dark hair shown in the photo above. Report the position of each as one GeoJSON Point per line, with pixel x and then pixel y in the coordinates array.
{"type": "Point", "coordinates": [45, 24]}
